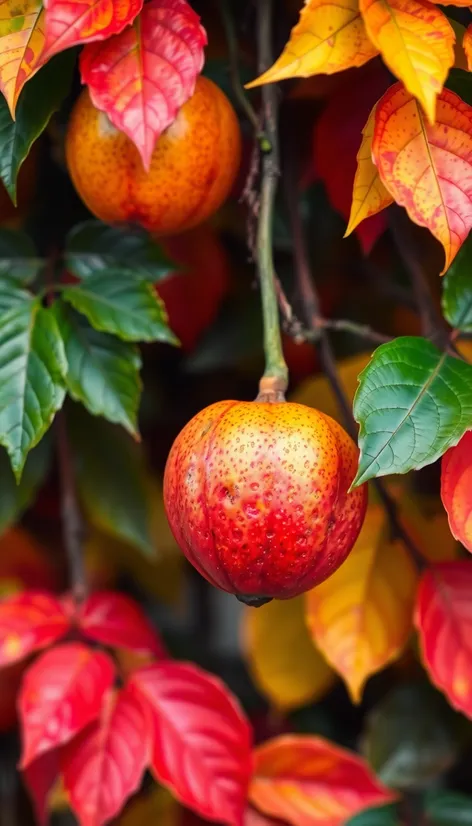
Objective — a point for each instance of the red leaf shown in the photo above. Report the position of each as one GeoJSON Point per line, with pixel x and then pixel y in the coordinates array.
{"type": "Point", "coordinates": [202, 741]}
{"type": "Point", "coordinates": [29, 621]}
{"type": "Point", "coordinates": [444, 622]}
{"type": "Point", "coordinates": [61, 693]}
{"type": "Point", "coordinates": [73, 22]}
{"type": "Point", "coordinates": [308, 781]}
{"type": "Point", "coordinates": [456, 489]}
{"type": "Point", "coordinates": [115, 620]}
{"type": "Point", "coordinates": [143, 76]}
{"type": "Point", "coordinates": [104, 765]}
{"type": "Point", "coordinates": [39, 777]}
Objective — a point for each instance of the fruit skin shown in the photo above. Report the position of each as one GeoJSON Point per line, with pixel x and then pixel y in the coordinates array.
{"type": "Point", "coordinates": [256, 495]}
{"type": "Point", "coordinates": [193, 295]}
{"type": "Point", "coordinates": [193, 166]}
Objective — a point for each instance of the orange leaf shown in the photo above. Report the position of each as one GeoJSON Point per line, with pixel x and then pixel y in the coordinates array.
{"type": "Point", "coordinates": [369, 195]}
{"type": "Point", "coordinates": [308, 781]}
{"type": "Point", "coordinates": [73, 22]}
{"type": "Point", "coordinates": [456, 489]}
{"type": "Point", "coordinates": [329, 37]}
{"type": "Point", "coordinates": [416, 41]}
{"type": "Point", "coordinates": [361, 617]}
{"type": "Point", "coordinates": [467, 46]}
{"type": "Point", "coordinates": [21, 44]}
{"type": "Point", "coordinates": [444, 622]}
{"type": "Point", "coordinates": [427, 168]}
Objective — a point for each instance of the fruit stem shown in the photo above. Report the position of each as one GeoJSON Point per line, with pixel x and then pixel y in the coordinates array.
{"type": "Point", "coordinates": [274, 382]}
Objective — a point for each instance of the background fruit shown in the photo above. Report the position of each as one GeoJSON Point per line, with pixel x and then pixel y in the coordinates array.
{"type": "Point", "coordinates": [256, 496]}
{"type": "Point", "coordinates": [193, 166]}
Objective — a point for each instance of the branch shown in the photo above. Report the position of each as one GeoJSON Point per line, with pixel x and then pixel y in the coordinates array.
{"type": "Point", "coordinates": [72, 523]}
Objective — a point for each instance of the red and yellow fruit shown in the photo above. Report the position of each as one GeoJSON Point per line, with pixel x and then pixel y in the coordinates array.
{"type": "Point", "coordinates": [193, 166]}
{"type": "Point", "coordinates": [256, 494]}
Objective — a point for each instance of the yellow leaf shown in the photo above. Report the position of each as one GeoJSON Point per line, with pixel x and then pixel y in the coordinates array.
{"type": "Point", "coordinates": [425, 520]}
{"type": "Point", "coordinates": [156, 807]}
{"type": "Point", "coordinates": [416, 41]}
{"type": "Point", "coordinates": [281, 657]}
{"type": "Point", "coordinates": [369, 195]}
{"type": "Point", "coordinates": [22, 38]}
{"type": "Point", "coordinates": [317, 392]}
{"type": "Point", "coordinates": [467, 46]}
{"type": "Point", "coordinates": [329, 37]}
{"type": "Point", "coordinates": [361, 617]}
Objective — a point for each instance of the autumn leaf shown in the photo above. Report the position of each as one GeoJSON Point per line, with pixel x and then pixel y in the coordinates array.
{"type": "Point", "coordinates": [116, 620]}
{"type": "Point", "coordinates": [62, 693]}
{"type": "Point", "coordinates": [194, 714]}
{"type": "Point", "coordinates": [308, 781]}
{"type": "Point", "coordinates": [39, 777]}
{"type": "Point", "coordinates": [467, 46]}
{"type": "Point", "coordinates": [74, 22]}
{"type": "Point", "coordinates": [21, 46]}
{"type": "Point", "coordinates": [281, 657]}
{"type": "Point", "coordinates": [427, 169]}
{"type": "Point", "coordinates": [444, 624]}
{"type": "Point", "coordinates": [143, 76]}
{"type": "Point", "coordinates": [29, 621]}
{"type": "Point", "coordinates": [416, 42]}
{"type": "Point", "coordinates": [329, 37]}
{"type": "Point", "coordinates": [456, 489]}
{"type": "Point", "coordinates": [104, 765]}
{"type": "Point", "coordinates": [361, 617]}
{"type": "Point", "coordinates": [369, 195]}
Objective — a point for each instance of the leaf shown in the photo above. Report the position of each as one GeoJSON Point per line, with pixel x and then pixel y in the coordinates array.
{"type": "Point", "coordinates": [93, 246]}
{"type": "Point", "coordinates": [457, 290]}
{"type": "Point", "coordinates": [75, 22]}
{"type": "Point", "coordinates": [412, 404]}
{"type": "Point", "coordinates": [329, 37]}
{"type": "Point", "coordinates": [104, 765]}
{"type": "Point", "coordinates": [29, 621]}
{"type": "Point", "coordinates": [467, 46]}
{"type": "Point", "coordinates": [41, 97]}
{"type": "Point", "coordinates": [110, 477]}
{"type": "Point", "coordinates": [62, 692]}
{"type": "Point", "coordinates": [121, 305]}
{"type": "Point", "coordinates": [410, 740]}
{"type": "Point", "coordinates": [456, 489]}
{"type": "Point", "coordinates": [40, 776]}
{"type": "Point", "coordinates": [416, 42]}
{"type": "Point", "coordinates": [116, 620]}
{"type": "Point", "coordinates": [15, 498]}
{"type": "Point", "coordinates": [361, 617]}
{"type": "Point", "coordinates": [21, 44]}
{"type": "Point", "coordinates": [369, 195]}
{"type": "Point", "coordinates": [12, 295]}
{"type": "Point", "coordinates": [444, 808]}
{"type": "Point", "coordinates": [281, 657]}
{"type": "Point", "coordinates": [32, 370]}
{"type": "Point", "coordinates": [308, 781]}
{"type": "Point", "coordinates": [103, 371]}
{"type": "Point", "coordinates": [142, 77]}
{"type": "Point", "coordinates": [19, 260]}
{"type": "Point", "coordinates": [427, 168]}
{"type": "Point", "coordinates": [385, 816]}
{"type": "Point", "coordinates": [444, 626]}
{"type": "Point", "coordinates": [196, 717]}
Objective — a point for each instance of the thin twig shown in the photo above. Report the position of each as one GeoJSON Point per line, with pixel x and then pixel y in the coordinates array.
{"type": "Point", "coordinates": [72, 523]}
{"type": "Point", "coordinates": [345, 325]}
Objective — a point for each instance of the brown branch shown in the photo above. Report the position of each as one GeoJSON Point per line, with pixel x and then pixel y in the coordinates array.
{"type": "Point", "coordinates": [72, 523]}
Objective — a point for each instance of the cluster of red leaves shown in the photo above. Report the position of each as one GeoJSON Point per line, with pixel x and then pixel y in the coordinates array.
{"type": "Point", "coordinates": [98, 725]}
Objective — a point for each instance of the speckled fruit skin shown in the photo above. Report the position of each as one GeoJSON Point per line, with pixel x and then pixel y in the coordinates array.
{"type": "Point", "coordinates": [193, 166]}
{"type": "Point", "coordinates": [256, 494]}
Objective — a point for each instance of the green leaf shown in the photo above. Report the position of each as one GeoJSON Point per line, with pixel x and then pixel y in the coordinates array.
{"type": "Point", "coordinates": [39, 99]}
{"type": "Point", "coordinates": [18, 257]}
{"type": "Point", "coordinates": [411, 737]}
{"type": "Point", "coordinates": [103, 371]}
{"type": "Point", "coordinates": [457, 289]}
{"type": "Point", "coordinates": [15, 498]}
{"type": "Point", "coordinates": [32, 377]}
{"type": "Point", "coordinates": [122, 305]}
{"type": "Point", "coordinates": [111, 481]}
{"type": "Point", "coordinates": [93, 246]}
{"type": "Point", "coordinates": [444, 808]}
{"type": "Point", "coordinates": [412, 404]}
{"type": "Point", "coordinates": [12, 295]}
{"type": "Point", "coordinates": [384, 816]}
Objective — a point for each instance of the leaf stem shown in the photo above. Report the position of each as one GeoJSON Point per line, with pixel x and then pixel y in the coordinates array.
{"type": "Point", "coordinates": [275, 379]}
{"type": "Point", "coordinates": [72, 522]}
